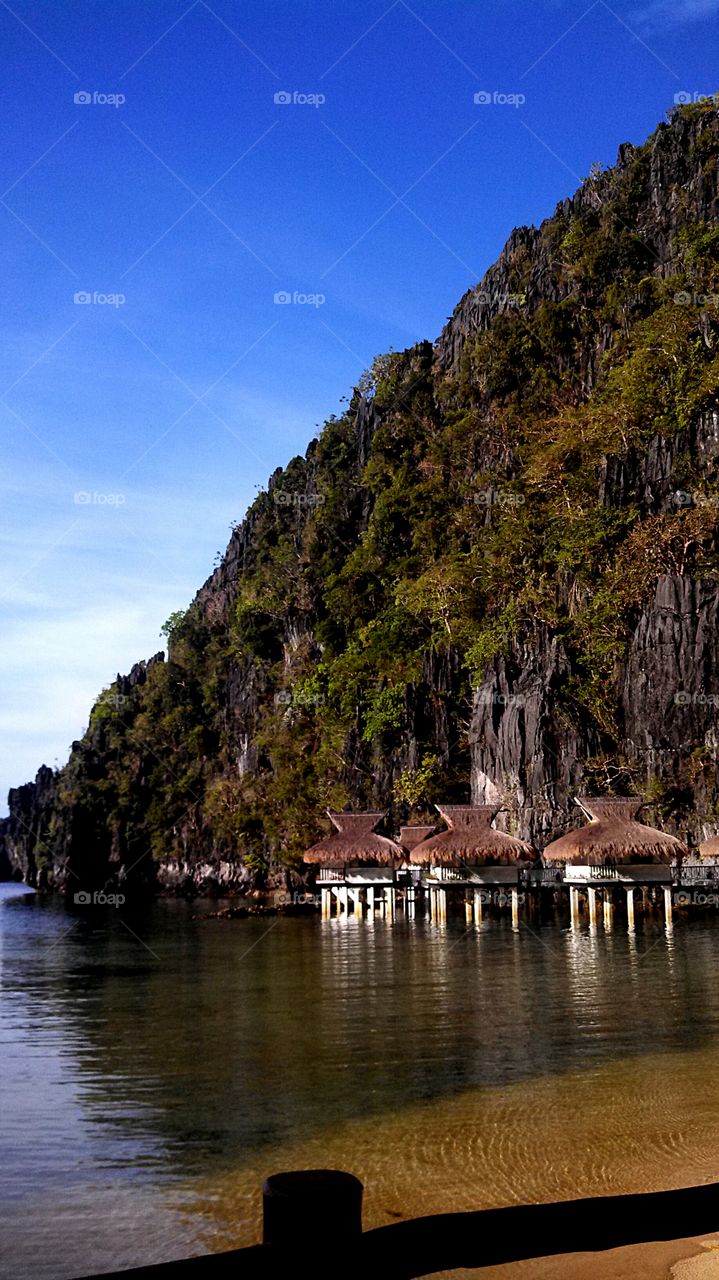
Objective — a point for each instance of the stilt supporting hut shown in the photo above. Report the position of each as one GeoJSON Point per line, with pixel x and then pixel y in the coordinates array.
{"type": "Point", "coordinates": [472, 858]}
{"type": "Point", "coordinates": [357, 867]}
{"type": "Point", "coordinates": [409, 838]}
{"type": "Point", "coordinates": [614, 854]}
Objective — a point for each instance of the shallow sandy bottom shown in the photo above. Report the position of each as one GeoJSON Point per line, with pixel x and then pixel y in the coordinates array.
{"type": "Point", "coordinates": [645, 1124]}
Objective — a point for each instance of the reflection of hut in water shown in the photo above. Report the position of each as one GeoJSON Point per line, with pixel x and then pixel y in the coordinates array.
{"type": "Point", "coordinates": [614, 848]}
{"type": "Point", "coordinates": [471, 854]}
{"type": "Point", "coordinates": [356, 865]}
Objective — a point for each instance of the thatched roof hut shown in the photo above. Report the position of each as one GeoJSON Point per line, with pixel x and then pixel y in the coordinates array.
{"type": "Point", "coordinates": [614, 835]}
{"type": "Point", "coordinates": [410, 837]}
{"type": "Point", "coordinates": [471, 841]}
{"type": "Point", "coordinates": [354, 842]}
{"type": "Point", "coordinates": [709, 848]}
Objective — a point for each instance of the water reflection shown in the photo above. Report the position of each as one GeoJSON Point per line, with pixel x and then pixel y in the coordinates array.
{"type": "Point", "coordinates": [156, 1051]}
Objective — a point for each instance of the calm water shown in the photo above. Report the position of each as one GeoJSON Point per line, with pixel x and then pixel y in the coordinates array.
{"type": "Point", "coordinates": [155, 1066]}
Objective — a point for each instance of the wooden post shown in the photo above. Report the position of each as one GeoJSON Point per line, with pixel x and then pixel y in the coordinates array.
{"type": "Point", "coordinates": [515, 908]}
{"type": "Point", "coordinates": [442, 901]}
{"type": "Point", "coordinates": [294, 1203]}
{"type": "Point", "coordinates": [326, 895]}
{"type": "Point", "coordinates": [630, 907]}
{"type": "Point", "coordinates": [592, 895]}
{"type": "Point", "coordinates": [608, 908]}
{"type": "Point", "coordinates": [574, 906]}
{"type": "Point", "coordinates": [344, 899]}
{"type": "Point", "coordinates": [390, 899]}
{"type": "Point", "coordinates": [468, 911]}
{"type": "Point", "coordinates": [668, 906]}
{"type": "Point", "coordinates": [477, 908]}
{"type": "Point", "coordinates": [370, 901]}
{"type": "Point", "coordinates": [411, 902]}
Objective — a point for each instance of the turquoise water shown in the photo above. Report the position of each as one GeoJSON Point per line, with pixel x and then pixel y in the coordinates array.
{"type": "Point", "coordinates": [147, 1055]}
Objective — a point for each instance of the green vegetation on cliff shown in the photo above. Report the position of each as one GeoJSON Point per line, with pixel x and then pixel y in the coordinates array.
{"type": "Point", "coordinates": [469, 494]}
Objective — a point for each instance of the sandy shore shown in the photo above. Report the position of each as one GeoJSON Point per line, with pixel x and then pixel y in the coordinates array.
{"type": "Point", "coordinates": [696, 1259]}
{"type": "Point", "coordinates": [648, 1123]}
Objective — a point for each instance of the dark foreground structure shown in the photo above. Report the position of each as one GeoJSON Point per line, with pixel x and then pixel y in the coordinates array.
{"type": "Point", "coordinates": [313, 1226]}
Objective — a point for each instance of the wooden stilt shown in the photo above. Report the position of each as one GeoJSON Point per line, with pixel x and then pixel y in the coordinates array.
{"type": "Point", "coordinates": [326, 903]}
{"type": "Point", "coordinates": [608, 909]}
{"type": "Point", "coordinates": [468, 910]}
{"type": "Point", "coordinates": [515, 908]}
{"type": "Point", "coordinates": [574, 906]}
{"type": "Point", "coordinates": [668, 906]}
{"type": "Point", "coordinates": [344, 899]}
{"type": "Point", "coordinates": [390, 898]}
{"type": "Point", "coordinates": [630, 907]}
{"type": "Point", "coordinates": [477, 908]}
{"type": "Point", "coordinates": [592, 895]}
{"type": "Point", "coordinates": [370, 901]}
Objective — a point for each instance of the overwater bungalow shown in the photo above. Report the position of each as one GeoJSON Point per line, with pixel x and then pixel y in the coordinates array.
{"type": "Point", "coordinates": [614, 848]}
{"type": "Point", "coordinates": [709, 849]}
{"type": "Point", "coordinates": [471, 854]}
{"type": "Point", "coordinates": [409, 838]}
{"type": "Point", "coordinates": [356, 865]}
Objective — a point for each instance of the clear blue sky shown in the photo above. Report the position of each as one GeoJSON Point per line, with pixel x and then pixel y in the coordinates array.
{"type": "Point", "coordinates": [198, 198]}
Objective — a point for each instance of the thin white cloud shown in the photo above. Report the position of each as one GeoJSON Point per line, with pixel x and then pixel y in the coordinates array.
{"type": "Point", "coordinates": [671, 13]}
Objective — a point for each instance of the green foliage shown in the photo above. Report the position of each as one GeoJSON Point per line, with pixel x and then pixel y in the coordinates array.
{"type": "Point", "coordinates": [417, 787]}
{"type": "Point", "coordinates": [494, 639]}
{"type": "Point", "coordinates": [431, 528]}
{"type": "Point", "coordinates": [172, 628]}
{"type": "Point", "coordinates": [383, 712]}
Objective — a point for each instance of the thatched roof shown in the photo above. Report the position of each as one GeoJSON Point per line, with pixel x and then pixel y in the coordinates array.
{"type": "Point", "coordinates": [614, 835]}
{"type": "Point", "coordinates": [470, 841]}
{"type": "Point", "coordinates": [709, 848]}
{"type": "Point", "coordinates": [355, 841]}
{"type": "Point", "coordinates": [410, 837]}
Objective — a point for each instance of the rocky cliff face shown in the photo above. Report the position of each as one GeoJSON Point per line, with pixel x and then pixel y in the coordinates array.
{"type": "Point", "coordinates": [496, 574]}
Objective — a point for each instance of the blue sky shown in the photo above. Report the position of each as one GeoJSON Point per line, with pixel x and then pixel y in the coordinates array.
{"type": "Point", "coordinates": [138, 425]}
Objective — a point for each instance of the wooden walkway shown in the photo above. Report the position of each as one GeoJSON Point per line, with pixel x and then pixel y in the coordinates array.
{"type": "Point", "coordinates": [311, 1234]}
